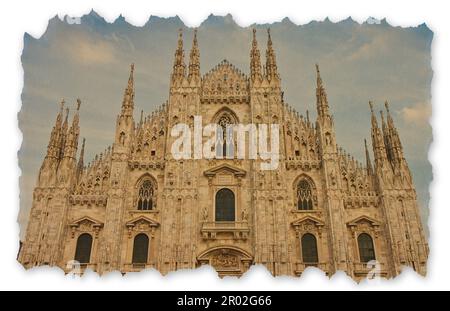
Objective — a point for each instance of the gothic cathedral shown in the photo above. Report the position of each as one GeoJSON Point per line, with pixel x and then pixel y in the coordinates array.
{"type": "Point", "coordinates": [136, 207]}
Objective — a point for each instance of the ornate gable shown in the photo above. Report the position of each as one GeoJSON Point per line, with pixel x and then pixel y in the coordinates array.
{"type": "Point", "coordinates": [225, 83]}
{"type": "Point", "coordinates": [85, 224]}
{"type": "Point", "coordinates": [86, 221]}
{"type": "Point", "coordinates": [142, 220]}
{"type": "Point", "coordinates": [226, 168]}
{"type": "Point", "coordinates": [308, 224]}
{"type": "Point", "coordinates": [308, 221]}
{"type": "Point", "coordinates": [363, 220]}
{"type": "Point", "coordinates": [141, 224]}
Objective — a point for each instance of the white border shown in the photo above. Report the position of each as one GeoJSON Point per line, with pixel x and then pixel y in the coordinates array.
{"type": "Point", "coordinates": [22, 16]}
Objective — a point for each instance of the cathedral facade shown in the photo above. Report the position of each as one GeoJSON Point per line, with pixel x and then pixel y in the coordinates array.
{"type": "Point", "coordinates": [135, 206]}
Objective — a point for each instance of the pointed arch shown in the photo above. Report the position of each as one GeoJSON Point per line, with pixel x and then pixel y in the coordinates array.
{"type": "Point", "coordinates": [225, 145]}
{"type": "Point", "coordinates": [146, 187]}
{"type": "Point", "coordinates": [306, 177]}
{"type": "Point", "coordinates": [305, 191]}
{"type": "Point", "coordinates": [225, 111]}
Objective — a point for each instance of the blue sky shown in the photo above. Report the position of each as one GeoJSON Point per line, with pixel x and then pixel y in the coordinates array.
{"type": "Point", "coordinates": [359, 62]}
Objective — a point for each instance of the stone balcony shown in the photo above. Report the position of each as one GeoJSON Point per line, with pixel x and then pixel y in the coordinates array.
{"type": "Point", "coordinates": [238, 230]}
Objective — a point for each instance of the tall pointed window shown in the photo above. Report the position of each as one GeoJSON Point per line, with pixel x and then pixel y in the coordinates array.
{"type": "Point", "coordinates": [304, 195]}
{"type": "Point", "coordinates": [309, 249]}
{"type": "Point", "coordinates": [145, 196]}
{"type": "Point", "coordinates": [140, 249]}
{"type": "Point", "coordinates": [225, 210]}
{"type": "Point", "coordinates": [83, 249]}
{"type": "Point", "coordinates": [225, 144]}
{"type": "Point", "coordinates": [366, 249]}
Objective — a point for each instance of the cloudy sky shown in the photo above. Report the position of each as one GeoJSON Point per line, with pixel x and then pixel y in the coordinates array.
{"type": "Point", "coordinates": [359, 62]}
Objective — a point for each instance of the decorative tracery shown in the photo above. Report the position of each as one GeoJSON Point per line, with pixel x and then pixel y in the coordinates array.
{"type": "Point", "coordinates": [225, 120]}
{"type": "Point", "coordinates": [145, 196]}
{"type": "Point", "coordinates": [224, 139]}
{"type": "Point", "coordinates": [304, 195]}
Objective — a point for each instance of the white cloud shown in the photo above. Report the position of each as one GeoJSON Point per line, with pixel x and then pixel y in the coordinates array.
{"type": "Point", "coordinates": [94, 53]}
{"type": "Point", "coordinates": [419, 114]}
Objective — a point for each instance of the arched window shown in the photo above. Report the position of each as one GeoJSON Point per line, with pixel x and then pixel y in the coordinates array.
{"type": "Point", "coordinates": [304, 195]}
{"type": "Point", "coordinates": [225, 142]}
{"type": "Point", "coordinates": [145, 196]}
{"type": "Point", "coordinates": [83, 249]}
{"type": "Point", "coordinates": [225, 210]}
{"type": "Point", "coordinates": [309, 249]}
{"type": "Point", "coordinates": [366, 249]}
{"type": "Point", "coordinates": [140, 248]}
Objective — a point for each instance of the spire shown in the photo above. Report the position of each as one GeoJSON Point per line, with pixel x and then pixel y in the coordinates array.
{"type": "Point", "coordinates": [53, 148]}
{"type": "Point", "coordinates": [194, 59]}
{"type": "Point", "coordinates": [60, 114]}
{"type": "Point", "coordinates": [383, 123]}
{"type": "Point", "coordinates": [179, 67]}
{"type": "Point", "coordinates": [386, 136]}
{"type": "Point", "coordinates": [128, 96]}
{"type": "Point", "coordinates": [373, 118]}
{"type": "Point", "coordinates": [379, 149]}
{"type": "Point", "coordinates": [271, 64]}
{"type": "Point", "coordinates": [63, 135]}
{"type": "Point", "coordinates": [141, 121]}
{"type": "Point", "coordinates": [395, 145]}
{"type": "Point", "coordinates": [71, 141]}
{"type": "Point", "coordinates": [321, 96]}
{"type": "Point", "coordinates": [76, 117]}
{"type": "Point", "coordinates": [390, 121]}
{"type": "Point", "coordinates": [255, 59]}
{"type": "Point", "coordinates": [80, 165]}
{"type": "Point", "coordinates": [368, 162]}
{"type": "Point", "coordinates": [66, 119]}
